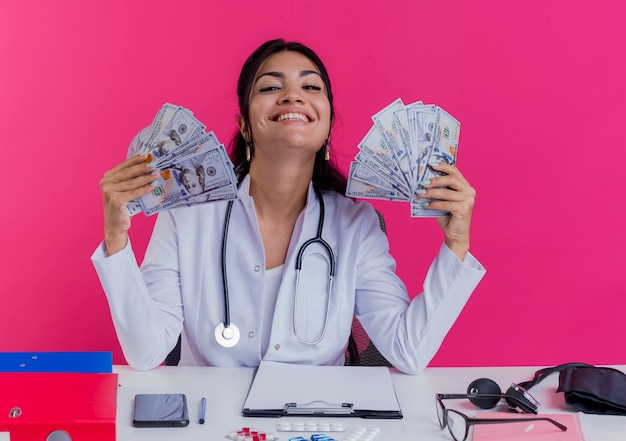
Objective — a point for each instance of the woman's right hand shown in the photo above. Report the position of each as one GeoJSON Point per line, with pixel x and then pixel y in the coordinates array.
{"type": "Point", "coordinates": [129, 180]}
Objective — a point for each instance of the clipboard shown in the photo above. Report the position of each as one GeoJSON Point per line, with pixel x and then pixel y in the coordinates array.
{"type": "Point", "coordinates": [282, 389]}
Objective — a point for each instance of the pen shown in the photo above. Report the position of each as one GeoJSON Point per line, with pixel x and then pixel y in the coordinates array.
{"type": "Point", "coordinates": [202, 410]}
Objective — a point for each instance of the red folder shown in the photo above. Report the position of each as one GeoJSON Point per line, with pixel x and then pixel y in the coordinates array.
{"type": "Point", "coordinates": [35, 405]}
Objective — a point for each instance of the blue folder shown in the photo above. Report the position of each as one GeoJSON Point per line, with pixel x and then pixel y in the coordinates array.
{"type": "Point", "coordinates": [80, 362]}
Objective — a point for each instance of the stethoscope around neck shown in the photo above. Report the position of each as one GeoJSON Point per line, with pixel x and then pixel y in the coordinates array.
{"type": "Point", "coordinates": [226, 333]}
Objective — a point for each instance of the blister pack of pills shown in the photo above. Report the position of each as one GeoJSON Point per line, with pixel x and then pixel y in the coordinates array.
{"type": "Point", "coordinates": [362, 434]}
{"type": "Point", "coordinates": [338, 430]}
{"type": "Point", "coordinates": [310, 426]}
{"type": "Point", "coordinates": [250, 434]}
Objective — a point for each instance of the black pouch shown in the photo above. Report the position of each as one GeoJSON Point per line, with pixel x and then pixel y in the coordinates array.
{"type": "Point", "coordinates": [596, 390]}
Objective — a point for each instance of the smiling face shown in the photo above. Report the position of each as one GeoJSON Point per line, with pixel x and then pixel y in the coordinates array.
{"type": "Point", "coordinates": [289, 106]}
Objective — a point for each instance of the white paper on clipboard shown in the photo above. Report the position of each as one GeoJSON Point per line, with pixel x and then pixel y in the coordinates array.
{"type": "Point", "coordinates": [367, 389]}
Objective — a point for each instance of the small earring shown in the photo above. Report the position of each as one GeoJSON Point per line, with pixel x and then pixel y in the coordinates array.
{"type": "Point", "coordinates": [327, 151]}
{"type": "Point", "coordinates": [248, 151]}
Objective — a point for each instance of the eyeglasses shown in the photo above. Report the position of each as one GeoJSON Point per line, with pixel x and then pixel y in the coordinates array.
{"type": "Point", "coordinates": [459, 424]}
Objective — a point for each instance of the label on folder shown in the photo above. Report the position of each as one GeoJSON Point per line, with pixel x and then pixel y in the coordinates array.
{"type": "Point", "coordinates": [282, 389]}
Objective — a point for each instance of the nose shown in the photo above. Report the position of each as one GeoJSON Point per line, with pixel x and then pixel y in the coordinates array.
{"type": "Point", "coordinates": [291, 94]}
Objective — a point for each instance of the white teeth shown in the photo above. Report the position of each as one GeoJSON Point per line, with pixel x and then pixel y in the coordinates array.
{"type": "Point", "coordinates": [293, 117]}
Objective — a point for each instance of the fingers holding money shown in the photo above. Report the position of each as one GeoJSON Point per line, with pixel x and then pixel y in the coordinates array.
{"type": "Point", "coordinates": [128, 180]}
{"type": "Point", "coordinates": [120, 185]}
{"type": "Point", "coordinates": [453, 193]}
{"type": "Point", "coordinates": [451, 185]}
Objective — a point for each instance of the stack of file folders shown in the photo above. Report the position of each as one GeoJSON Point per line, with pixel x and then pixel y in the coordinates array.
{"type": "Point", "coordinates": [57, 395]}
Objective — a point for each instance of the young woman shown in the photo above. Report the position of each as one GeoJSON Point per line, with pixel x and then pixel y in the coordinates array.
{"type": "Point", "coordinates": [241, 281]}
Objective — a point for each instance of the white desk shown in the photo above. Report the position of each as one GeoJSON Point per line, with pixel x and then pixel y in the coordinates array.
{"type": "Point", "coordinates": [226, 389]}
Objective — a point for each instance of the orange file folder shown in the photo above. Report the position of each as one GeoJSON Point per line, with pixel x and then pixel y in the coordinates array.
{"type": "Point", "coordinates": [34, 405]}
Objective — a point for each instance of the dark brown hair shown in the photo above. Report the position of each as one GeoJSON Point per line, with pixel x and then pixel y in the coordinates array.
{"type": "Point", "coordinates": [326, 176]}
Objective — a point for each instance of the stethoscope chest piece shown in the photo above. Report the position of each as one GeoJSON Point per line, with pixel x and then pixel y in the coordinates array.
{"type": "Point", "coordinates": [227, 336]}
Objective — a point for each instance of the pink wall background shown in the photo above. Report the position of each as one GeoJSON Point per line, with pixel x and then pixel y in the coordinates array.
{"type": "Point", "coordinates": [538, 86]}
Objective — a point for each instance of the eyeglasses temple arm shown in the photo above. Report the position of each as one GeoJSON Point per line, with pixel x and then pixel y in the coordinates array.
{"type": "Point", "coordinates": [478, 396]}
{"type": "Point", "coordinates": [514, 420]}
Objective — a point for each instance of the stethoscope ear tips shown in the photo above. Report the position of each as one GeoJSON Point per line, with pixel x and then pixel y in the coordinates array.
{"type": "Point", "coordinates": [487, 387]}
{"type": "Point", "coordinates": [227, 337]}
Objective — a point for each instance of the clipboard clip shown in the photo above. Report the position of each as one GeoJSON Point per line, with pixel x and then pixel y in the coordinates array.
{"type": "Point", "coordinates": [319, 407]}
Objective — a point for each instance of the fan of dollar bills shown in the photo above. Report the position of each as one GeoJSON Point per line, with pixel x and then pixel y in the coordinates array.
{"type": "Point", "coordinates": [193, 166]}
{"type": "Point", "coordinates": [393, 157]}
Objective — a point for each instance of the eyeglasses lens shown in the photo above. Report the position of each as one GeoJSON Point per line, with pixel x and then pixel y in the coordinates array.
{"type": "Point", "coordinates": [457, 425]}
{"type": "Point", "coordinates": [440, 412]}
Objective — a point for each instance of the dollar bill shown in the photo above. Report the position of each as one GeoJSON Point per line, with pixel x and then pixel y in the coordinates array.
{"type": "Point", "coordinates": [365, 174]}
{"type": "Point", "coordinates": [401, 122]}
{"type": "Point", "coordinates": [193, 165]}
{"type": "Point", "coordinates": [363, 190]}
{"type": "Point", "coordinates": [393, 157]}
{"type": "Point", "coordinates": [374, 146]}
{"type": "Point", "coordinates": [138, 142]}
{"type": "Point", "coordinates": [221, 194]}
{"type": "Point", "coordinates": [422, 132]}
{"type": "Point", "coordinates": [395, 177]}
{"type": "Point", "coordinates": [194, 145]}
{"type": "Point", "coordinates": [174, 132]}
{"type": "Point", "coordinates": [193, 178]}
{"type": "Point", "coordinates": [444, 148]}
{"type": "Point", "coordinates": [386, 126]}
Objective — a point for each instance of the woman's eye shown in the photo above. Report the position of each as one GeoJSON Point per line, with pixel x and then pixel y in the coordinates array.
{"type": "Point", "coordinates": [312, 87]}
{"type": "Point", "coordinates": [268, 88]}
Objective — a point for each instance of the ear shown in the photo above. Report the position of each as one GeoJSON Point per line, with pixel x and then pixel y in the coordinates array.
{"type": "Point", "coordinates": [241, 123]}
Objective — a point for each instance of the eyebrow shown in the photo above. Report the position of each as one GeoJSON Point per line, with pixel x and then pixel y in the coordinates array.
{"type": "Point", "coordinates": [303, 73]}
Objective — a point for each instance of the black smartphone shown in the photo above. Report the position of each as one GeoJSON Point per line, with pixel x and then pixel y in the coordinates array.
{"type": "Point", "coordinates": [160, 410]}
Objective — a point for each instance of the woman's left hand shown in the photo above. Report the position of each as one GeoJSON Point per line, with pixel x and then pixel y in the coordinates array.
{"type": "Point", "coordinates": [451, 192]}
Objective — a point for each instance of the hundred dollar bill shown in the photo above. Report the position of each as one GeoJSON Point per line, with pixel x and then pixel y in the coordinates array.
{"type": "Point", "coordinates": [225, 193]}
{"type": "Point", "coordinates": [401, 122]}
{"type": "Point", "coordinates": [137, 143]}
{"type": "Point", "coordinates": [374, 153]}
{"type": "Point", "coordinates": [384, 122]}
{"type": "Point", "coordinates": [445, 142]}
{"type": "Point", "coordinates": [417, 210]}
{"type": "Point", "coordinates": [444, 149]}
{"type": "Point", "coordinates": [392, 176]}
{"type": "Point", "coordinates": [178, 129]}
{"type": "Point", "coordinates": [164, 114]}
{"type": "Point", "coordinates": [193, 166]}
{"type": "Point", "coordinates": [393, 157]}
{"type": "Point", "coordinates": [196, 144]}
{"type": "Point", "coordinates": [221, 194]}
{"type": "Point", "coordinates": [365, 174]}
{"type": "Point", "coordinates": [134, 207]}
{"type": "Point", "coordinates": [422, 133]}
{"type": "Point", "coordinates": [373, 145]}
{"type": "Point", "coordinates": [188, 179]}
{"type": "Point", "coordinates": [363, 190]}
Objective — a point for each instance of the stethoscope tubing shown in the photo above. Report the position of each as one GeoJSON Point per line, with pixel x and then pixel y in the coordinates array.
{"type": "Point", "coordinates": [225, 338]}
